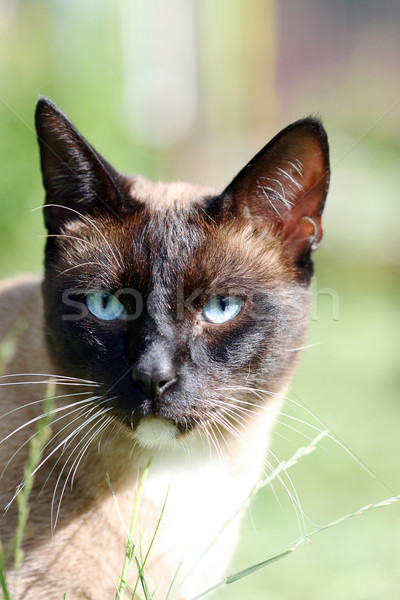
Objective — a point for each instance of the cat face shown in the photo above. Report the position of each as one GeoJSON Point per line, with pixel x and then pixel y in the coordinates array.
{"type": "Point", "coordinates": [179, 302]}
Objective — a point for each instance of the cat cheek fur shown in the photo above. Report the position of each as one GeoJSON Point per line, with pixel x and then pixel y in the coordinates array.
{"type": "Point", "coordinates": [163, 382]}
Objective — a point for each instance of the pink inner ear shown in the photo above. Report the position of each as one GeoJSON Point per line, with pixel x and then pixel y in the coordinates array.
{"type": "Point", "coordinates": [301, 224]}
{"type": "Point", "coordinates": [307, 234]}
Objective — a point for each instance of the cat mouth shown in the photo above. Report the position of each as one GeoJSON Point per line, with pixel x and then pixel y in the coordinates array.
{"type": "Point", "coordinates": [153, 420]}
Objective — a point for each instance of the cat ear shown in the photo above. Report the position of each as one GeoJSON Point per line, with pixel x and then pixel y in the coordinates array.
{"type": "Point", "coordinates": [285, 185]}
{"type": "Point", "coordinates": [76, 178]}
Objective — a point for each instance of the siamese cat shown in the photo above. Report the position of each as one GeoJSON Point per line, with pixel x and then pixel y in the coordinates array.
{"type": "Point", "coordinates": [170, 318]}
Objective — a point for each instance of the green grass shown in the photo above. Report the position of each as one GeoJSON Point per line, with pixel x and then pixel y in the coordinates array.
{"type": "Point", "coordinates": [131, 555]}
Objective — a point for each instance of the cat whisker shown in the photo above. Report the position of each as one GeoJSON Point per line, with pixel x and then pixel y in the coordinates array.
{"type": "Point", "coordinates": [85, 264]}
{"type": "Point", "coordinates": [231, 417]}
{"type": "Point", "coordinates": [114, 430]}
{"type": "Point", "coordinates": [257, 392]}
{"type": "Point", "coordinates": [42, 462]}
{"type": "Point", "coordinates": [84, 241]}
{"type": "Point", "coordinates": [237, 406]}
{"type": "Point", "coordinates": [235, 400]}
{"type": "Point", "coordinates": [182, 443]}
{"type": "Point", "coordinates": [236, 412]}
{"type": "Point", "coordinates": [106, 422]}
{"type": "Point", "coordinates": [131, 453]}
{"type": "Point", "coordinates": [52, 376]}
{"type": "Point", "coordinates": [245, 413]}
{"type": "Point", "coordinates": [341, 444]}
{"type": "Point", "coordinates": [41, 416]}
{"type": "Point", "coordinates": [56, 382]}
{"type": "Point", "coordinates": [221, 399]}
{"type": "Point", "coordinates": [92, 413]}
{"type": "Point", "coordinates": [216, 426]}
{"type": "Point", "coordinates": [211, 437]}
{"type": "Point", "coordinates": [239, 426]}
{"type": "Point", "coordinates": [124, 374]}
{"type": "Point", "coordinates": [201, 429]}
{"type": "Point", "coordinates": [83, 413]}
{"type": "Point", "coordinates": [68, 414]}
{"type": "Point", "coordinates": [245, 389]}
{"type": "Point", "coordinates": [330, 434]}
{"type": "Point", "coordinates": [23, 406]}
{"type": "Point", "coordinates": [303, 422]}
{"type": "Point", "coordinates": [241, 420]}
{"type": "Point", "coordinates": [64, 445]}
{"type": "Point", "coordinates": [221, 419]}
{"type": "Point", "coordinates": [100, 415]}
{"type": "Point", "coordinates": [60, 445]}
{"type": "Point", "coordinates": [215, 440]}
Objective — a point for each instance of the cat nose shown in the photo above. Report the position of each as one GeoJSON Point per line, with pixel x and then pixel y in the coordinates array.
{"type": "Point", "coordinates": [153, 384]}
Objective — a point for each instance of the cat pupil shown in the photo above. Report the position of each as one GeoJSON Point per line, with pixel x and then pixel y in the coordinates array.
{"type": "Point", "coordinates": [222, 303]}
{"type": "Point", "coordinates": [104, 300]}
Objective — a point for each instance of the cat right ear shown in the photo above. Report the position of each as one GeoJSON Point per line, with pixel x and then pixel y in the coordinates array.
{"type": "Point", "coordinates": [283, 188]}
{"type": "Point", "coordinates": [76, 178]}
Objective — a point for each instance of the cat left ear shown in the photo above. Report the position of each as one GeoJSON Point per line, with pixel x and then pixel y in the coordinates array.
{"type": "Point", "coordinates": [285, 186]}
{"type": "Point", "coordinates": [76, 178]}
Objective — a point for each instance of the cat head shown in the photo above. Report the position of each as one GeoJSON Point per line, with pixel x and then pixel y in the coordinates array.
{"type": "Point", "coordinates": [180, 302]}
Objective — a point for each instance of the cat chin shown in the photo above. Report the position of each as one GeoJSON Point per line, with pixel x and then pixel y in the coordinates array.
{"type": "Point", "coordinates": [156, 433]}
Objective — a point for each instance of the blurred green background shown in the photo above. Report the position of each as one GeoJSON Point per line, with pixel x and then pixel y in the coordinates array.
{"type": "Point", "coordinates": [191, 90]}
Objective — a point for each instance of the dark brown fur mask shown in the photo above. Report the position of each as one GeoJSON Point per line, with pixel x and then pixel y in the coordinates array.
{"type": "Point", "coordinates": [170, 296]}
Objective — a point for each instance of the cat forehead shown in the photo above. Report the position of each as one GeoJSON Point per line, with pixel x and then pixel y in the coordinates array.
{"type": "Point", "coordinates": [144, 249]}
{"type": "Point", "coordinates": [160, 196]}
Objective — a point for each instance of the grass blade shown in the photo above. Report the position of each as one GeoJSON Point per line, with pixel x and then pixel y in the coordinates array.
{"type": "Point", "coordinates": [3, 581]}
{"type": "Point", "coordinates": [173, 581]}
{"type": "Point", "coordinates": [130, 546]}
{"type": "Point", "coordinates": [289, 549]}
{"type": "Point", "coordinates": [141, 571]}
{"type": "Point", "coordinates": [36, 446]}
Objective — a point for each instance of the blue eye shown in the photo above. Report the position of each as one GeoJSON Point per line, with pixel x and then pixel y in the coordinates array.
{"type": "Point", "coordinates": [105, 306]}
{"type": "Point", "coordinates": [221, 309]}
